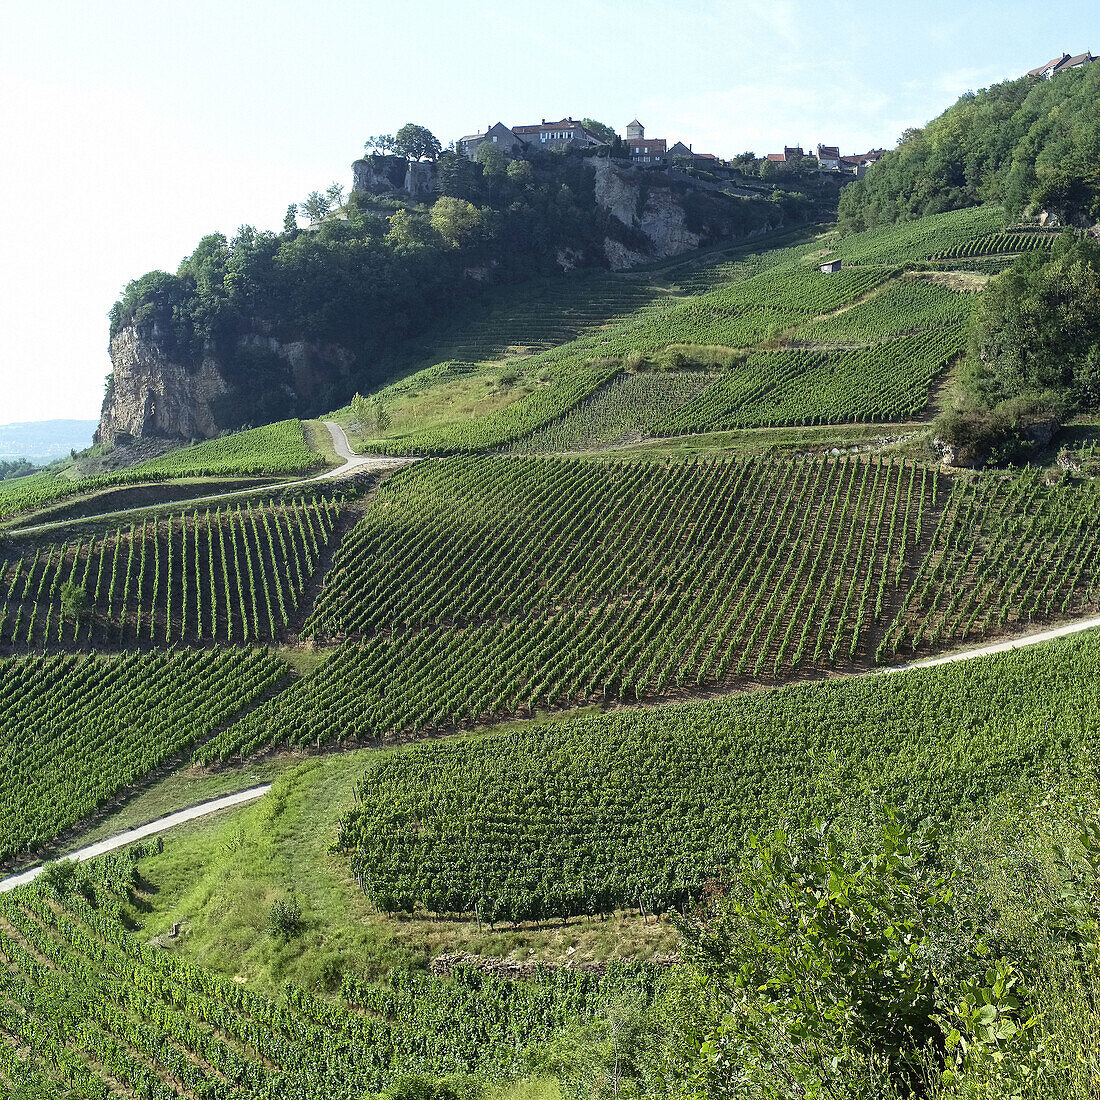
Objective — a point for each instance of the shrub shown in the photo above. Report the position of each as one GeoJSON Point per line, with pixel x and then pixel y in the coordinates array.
{"type": "Point", "coordinates": [285, 919]}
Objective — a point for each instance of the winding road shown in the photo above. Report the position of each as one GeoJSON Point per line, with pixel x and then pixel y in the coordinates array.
{"type": "Point", "coordinates": [353, 463]}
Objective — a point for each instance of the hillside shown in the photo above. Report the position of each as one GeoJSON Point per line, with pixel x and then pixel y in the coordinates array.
{"type": "Point", "coordinates": [620, 682]}
{"type": "Point", "coordinates": [268, 325]}
{"type": "Point", "coordinates": [1030, 144]}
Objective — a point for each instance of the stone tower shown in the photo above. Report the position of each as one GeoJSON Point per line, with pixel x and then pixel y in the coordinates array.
{"type": "Point", "coordinates": [635, 130]}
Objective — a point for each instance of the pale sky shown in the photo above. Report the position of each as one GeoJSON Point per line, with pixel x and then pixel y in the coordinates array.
{"type": "Point", "coordinates": [130, 128]}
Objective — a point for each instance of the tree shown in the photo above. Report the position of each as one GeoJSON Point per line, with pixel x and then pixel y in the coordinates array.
{"type": "Point", "coordinates": [416, 142]}
{"type": "Point", "coordinates": [380, 143]}
{"type": "Point", "coordinates": [362, 413]}
{"type": "Point", "coordinates": [335, 195]}
{"type": "Point", "coordinates": [455, 220]}
{"type": "Point", "coordinates": [491, 158]}
{"type": "Point", "coordinates": [74, 601]}
{"type": "Point", "coordinates": [599, 130]}
{"type": "Point", "coordinates": [316, 206]}
{"type": "Point", "coordinates": [290, 218]}
{"type": "Point", "coordinates": [381, 415]}
{"type": "Point", "coordinates": [520, 172]}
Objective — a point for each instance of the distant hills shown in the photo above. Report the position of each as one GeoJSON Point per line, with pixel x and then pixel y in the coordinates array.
{"type": "Point", "coordinates": [42, 441]}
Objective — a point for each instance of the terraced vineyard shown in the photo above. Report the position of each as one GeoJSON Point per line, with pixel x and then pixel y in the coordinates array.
{"type": "Point", "coordinates": [902, 307]}
{"type": "Point", "coordinates": [1015, 551]}
{"type": "Point", "coordinates": [74, 731]}
{"type": "Point", "coordinates": [999, 243]}
{"type": "Point", "coordinates": [642, 807]}
{"type": "Point", "coordinates": [93, 1012]}
{"type": "Point", "coordinates": [884, 381]}
{"type": "Point", "coordinates": [630, 405]}
{"type": "Point", "coordinates": [485, 586]}
{"type": "Point", "coordinates": [905, 242]}
{"type": "Point", "coordinates": [229, 574]}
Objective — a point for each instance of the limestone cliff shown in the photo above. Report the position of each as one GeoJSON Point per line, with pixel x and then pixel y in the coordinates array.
{"type": "Point", "coordinates": [670, 213]}
{"type": "Point", "coordinates": [156, 392]}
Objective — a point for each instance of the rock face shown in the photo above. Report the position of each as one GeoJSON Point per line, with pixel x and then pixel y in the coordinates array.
{"type": "Point", "coordinates": [154, 393]}
{"type": "Point", "coordinates": [379, 175]}
{"type": "Point", "coordinates": [668, 213]}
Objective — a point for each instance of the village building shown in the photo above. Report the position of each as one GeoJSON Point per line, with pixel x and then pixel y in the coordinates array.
{"type": "Point", "coordinates": [790, 153]}
{"type": "Point", "coordinates": [828, 157]}
{"type": "Point", "coordinates": [644, 150]}
{"type": "Point", "coordinates": [565, 134]}
{"type": "Point", "coordinates": [1062, 63]}
{"type": "Point", "coordinates": [680, 151]}
{"type": "Point", "coordinates": [503, 137]}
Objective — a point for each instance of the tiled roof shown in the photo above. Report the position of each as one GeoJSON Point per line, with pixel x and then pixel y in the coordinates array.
{"type": "Point", "coordinates": [780, 157]}
{"type": "Point", "coordinates": [1054, 62]}
{"type": "Point", "coordinates": [564, 124]}
{"type": "Point", "coordinates": [655, 145]}
{"type": "Point", "coordinates": [832, 152]}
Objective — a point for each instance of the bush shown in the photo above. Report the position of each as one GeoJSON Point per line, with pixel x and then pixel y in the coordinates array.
{"type": "Point", "coordinates": [285, 919]}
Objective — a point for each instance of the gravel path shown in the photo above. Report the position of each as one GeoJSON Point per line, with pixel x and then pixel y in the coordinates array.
{"type": "Point", "coordinates": [121, 840]}
{"type": "Point", "coordinates": [998, 647]}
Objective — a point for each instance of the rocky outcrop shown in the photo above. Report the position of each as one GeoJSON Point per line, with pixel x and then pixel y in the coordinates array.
{"type": "Point", "coordinates": [668, 213]}
{"type": "Point", "coordinates": [154, 392]}
{"type": "Point", "coordinates": [378, 175]}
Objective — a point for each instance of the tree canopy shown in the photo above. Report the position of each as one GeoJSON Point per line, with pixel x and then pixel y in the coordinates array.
{"type": "Point", "coordinates": [416, 143]}
{"type": "Point", "coordinates": [1025, 143]}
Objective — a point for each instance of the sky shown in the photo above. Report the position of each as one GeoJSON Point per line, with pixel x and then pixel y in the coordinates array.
{"type": "Point", "coordinates": [128, 130]}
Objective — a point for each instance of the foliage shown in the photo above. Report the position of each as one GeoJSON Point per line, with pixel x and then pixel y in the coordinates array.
{"type": "Point", "coordinates": [1034, 352]}
{"type": "Point", "coordinates": [599, 130]}
{"type": "Point", "coordinates": [839, 966]}
{"type": "Point", "coordinates": [1028, 144]}
{"type": "Point", "coordinates": [73, 600]}
{"type": "Point", "coordinates": [284, 919]}
{"type": "Point", "coordinates": [416, 143]}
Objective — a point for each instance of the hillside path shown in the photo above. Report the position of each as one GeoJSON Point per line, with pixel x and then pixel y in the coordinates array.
{"type": "Point", "coordinates": [131, 836]}
{"type": "Point", "coordinates": [353, 463]}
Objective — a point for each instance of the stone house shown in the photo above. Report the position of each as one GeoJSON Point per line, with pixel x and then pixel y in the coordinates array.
{"type": "Point", "coordinates": [828, 157]}
{"type": "Point", "coordinates": [503, 137]}
{"type": "Point", "coordinates": [830, 267]}
{"type": "Point", "coordinates": [645, 150]}
{"type": "Point", "coordinates": [568, 133]}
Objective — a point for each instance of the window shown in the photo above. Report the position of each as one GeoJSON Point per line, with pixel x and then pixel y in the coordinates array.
{"type": "Point", "coordinates": [494, 137]}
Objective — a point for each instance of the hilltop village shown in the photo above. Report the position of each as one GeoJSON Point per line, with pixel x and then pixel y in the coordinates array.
{"type": "Point", "coordinates": [569, 134]}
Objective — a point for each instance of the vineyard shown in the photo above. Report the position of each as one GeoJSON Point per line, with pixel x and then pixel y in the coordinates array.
{"type": "Point", "coordinates": [999, 243]}
{"type": "Point", "coordinates": [94, 1011]}
{"type": "Point", "coordinates": [923, 239]}
{"type": "Point", "coordinates": [231, 574]}
{"type": "Point", "coordinates": [476, 587]}
{"type": "Point", "coordinates": [1004, 553]}
{"type": "Point", "coordinates": [271, 451]}
{"type": "Point", "coordinates": [74, 731]}
{"type": "Point", "coordinates": [630, 406]}
{"type": "Point", "coordinates": [884, 381]}
{"type": "Point", "coordinates": [902, 307]}
{"type": "Point", "coordinates": [641, 808]}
